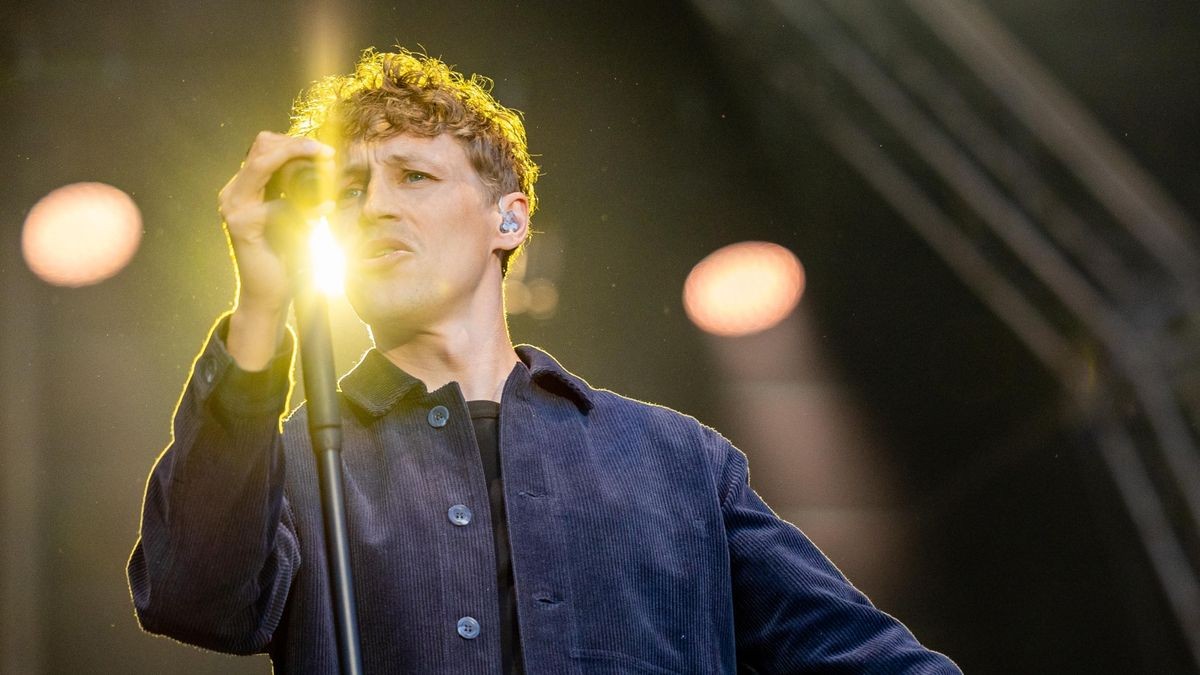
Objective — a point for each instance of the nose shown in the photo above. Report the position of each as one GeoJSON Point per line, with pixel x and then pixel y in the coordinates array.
{"type": "Point", "coordinates": [379, 203]}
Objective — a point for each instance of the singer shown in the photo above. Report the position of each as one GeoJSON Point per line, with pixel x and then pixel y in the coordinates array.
{"type": "Point", "coordinates": [505, 516]}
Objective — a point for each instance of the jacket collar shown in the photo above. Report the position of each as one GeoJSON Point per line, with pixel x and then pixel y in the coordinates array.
{"type": "Point", "coordinates": [376, 384]}
{"type": "Point", "coordinates": [551, 376]}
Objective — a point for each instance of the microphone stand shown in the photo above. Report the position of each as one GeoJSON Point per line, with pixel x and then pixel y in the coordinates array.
{"type": "Point", "coordinates": [325, 430]}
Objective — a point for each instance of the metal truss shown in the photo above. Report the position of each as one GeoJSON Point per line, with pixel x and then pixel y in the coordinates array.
{"type": "Point", "coordinates": [1032, 205]}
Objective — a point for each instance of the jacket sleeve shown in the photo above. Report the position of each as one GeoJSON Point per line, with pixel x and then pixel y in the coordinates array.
{"type": "Point", "coordinates": [217, 550]}
{"type": "Point", "coordinates": [794, 612]}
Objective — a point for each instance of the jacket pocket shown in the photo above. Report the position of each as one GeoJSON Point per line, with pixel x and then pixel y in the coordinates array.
{"type": "Point", "coordinates": [604, 661]}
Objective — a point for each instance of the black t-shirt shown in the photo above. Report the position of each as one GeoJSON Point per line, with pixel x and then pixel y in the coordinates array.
{"type": "Point", "coordinates": [485, 417]}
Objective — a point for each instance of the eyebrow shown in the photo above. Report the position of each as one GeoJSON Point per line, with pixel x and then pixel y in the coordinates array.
{"type": "Point", "coordinates": [395, 159]}
{"type": "Point", "coordinates": [406, 160]}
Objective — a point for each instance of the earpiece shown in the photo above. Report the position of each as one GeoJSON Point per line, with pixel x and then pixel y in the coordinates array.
{"type": "Point", "coordinates": [509, 223]}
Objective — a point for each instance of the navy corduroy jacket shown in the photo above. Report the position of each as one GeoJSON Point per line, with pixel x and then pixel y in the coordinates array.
{"type": "Point", "coordinates": [637, 544]}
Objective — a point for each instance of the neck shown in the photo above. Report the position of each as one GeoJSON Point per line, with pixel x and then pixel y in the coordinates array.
{"type": "Point", "coordinates": [471, 348]}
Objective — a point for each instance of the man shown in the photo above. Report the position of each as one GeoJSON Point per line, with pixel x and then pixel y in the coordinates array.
{"type": "Point", "coordinates": [504, 515]}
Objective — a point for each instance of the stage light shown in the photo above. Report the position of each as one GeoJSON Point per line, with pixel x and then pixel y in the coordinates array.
{"type": "Point", "coordinates": [516, 296]}
{"type": "Point", "coordinates": [81, 234]}
{"type": "Point", "coordinates": [743, 288]}
{"type": "Point", "coordinates": [328, 261]}
{"type": "Point", "coordinates": [543, 298]}
{"type": "Point", "coordinates": [536, 297]}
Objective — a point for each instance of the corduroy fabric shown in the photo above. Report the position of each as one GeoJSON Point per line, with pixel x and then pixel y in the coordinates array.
{"type": "Point", "coordinates": [637, 544]}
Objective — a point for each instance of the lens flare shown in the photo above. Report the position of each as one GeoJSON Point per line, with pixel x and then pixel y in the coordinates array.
{"type": "Point", "coordinates": [328, 260]}
{"type": "Point", "coordinates": [81, 234]}
{"type": "Point", "coordinates": [743, 288]}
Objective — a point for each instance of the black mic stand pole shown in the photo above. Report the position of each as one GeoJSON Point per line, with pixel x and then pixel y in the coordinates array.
{"type": "Point", "coordinates": [325, 430]}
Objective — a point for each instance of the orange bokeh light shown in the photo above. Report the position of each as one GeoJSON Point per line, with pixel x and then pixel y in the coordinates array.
{"type": "Point", "coordinates": [743, 288]}
{"type": "Point", "coordinates": [81, 234]}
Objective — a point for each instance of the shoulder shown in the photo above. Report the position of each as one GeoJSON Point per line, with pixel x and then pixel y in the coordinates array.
{"type": "Point", "coordinates": [652, 418]}
{"type": "Point", "coordinates": [631, 423]}
{"type": "Point", "coordinates": [603, 405]}
{"type": "Point", "coordinates": [296, 420]}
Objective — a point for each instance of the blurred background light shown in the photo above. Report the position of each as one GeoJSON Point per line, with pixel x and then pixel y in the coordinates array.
{"type": "Point", "coordinates": [516, 296]}
{"type": "Point", "coordinates": [529, 294]}
{"type": "Point", "coordinates": [743, 288]}
{"type": "Point", "coordinates": [81, 234]}
{"type": "Point", "coordinates": [543, 298]}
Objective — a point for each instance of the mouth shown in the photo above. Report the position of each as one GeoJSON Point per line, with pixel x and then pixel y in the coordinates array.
{"type": "Point", "coordinates": [382, 252]}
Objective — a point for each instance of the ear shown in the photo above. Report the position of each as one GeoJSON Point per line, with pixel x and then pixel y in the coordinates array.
{"type": "Point", "coordinates": [518, 203]}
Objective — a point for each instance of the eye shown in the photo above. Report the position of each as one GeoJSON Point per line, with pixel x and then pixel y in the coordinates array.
{"type": "Point", "coordinates": [415, 177]}
{"type": "Point", "coordinates": [350, 194]}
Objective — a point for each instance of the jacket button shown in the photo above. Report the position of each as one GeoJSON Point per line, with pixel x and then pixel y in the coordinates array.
{"type": "Point", "coordinates": [438, 416]}
{"type": "Point", "coordinates": [208, 370]}
{"type": "Point", "coordinates": [468, 628]}
{"type": "Point", "coordinates": [459, 515]}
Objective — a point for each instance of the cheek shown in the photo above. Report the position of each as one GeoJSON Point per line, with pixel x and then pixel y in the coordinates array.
{"type": "Point", "coordinates": [342, 224]}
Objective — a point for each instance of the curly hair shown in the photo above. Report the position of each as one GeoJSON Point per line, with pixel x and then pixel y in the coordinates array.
{"type": "Point", "coordinates": [407, 92]}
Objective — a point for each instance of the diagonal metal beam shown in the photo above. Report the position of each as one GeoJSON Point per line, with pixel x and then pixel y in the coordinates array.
{"type": "Point", "coordinates": [1149, 514]}
{"type": "Point", "coordinates": [1066, 127]}
{"type": "Point", "coordinates": [938, 230]}
{"type": "Point", "coordinates": [1125, 345]}
{"type": "Point", "coordinates": [1138, 364]}
{"type": "Point", "coordinates": [1020, 176]}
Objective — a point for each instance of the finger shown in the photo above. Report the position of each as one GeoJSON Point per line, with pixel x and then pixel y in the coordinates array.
{"type": "Point", "coordinates": [265, 139]}
{"type": "Point", "coordinates": [249, 223]}
{"type": "Point", "coordinates": [259, 168]}
{"type": "Point", "coordinates": [264, 160]}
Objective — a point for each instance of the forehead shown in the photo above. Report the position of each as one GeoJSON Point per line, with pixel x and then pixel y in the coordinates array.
{"type": "Point", "coordinates": [442, 152]}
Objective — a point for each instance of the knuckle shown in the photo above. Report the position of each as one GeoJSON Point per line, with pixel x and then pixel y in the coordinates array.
{"type": "Point", "coordinates": [264, 141]}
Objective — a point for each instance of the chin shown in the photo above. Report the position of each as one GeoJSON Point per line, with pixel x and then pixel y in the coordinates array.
{"type": "Point", "coordinates": [383, 308]}
{"type": "Point", "coordinates": [372, 311]}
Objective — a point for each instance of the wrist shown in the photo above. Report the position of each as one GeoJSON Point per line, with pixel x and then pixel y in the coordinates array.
{"type": "Point", "coordinates": [263, 310]}
{"type": "Point", "coordinates": [255, 334]}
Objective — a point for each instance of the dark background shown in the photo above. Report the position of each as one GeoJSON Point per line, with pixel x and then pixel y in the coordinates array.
{"type": "Point", "coordinates": [1021, 558]}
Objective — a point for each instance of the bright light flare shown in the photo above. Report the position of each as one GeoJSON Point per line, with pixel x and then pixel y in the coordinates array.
{"type": "Point", "coordinates": [328, 260]}
{"type": "Point", "coordinates": [81, 234]}
{"type": "Point", "coordinates": [743, 288]}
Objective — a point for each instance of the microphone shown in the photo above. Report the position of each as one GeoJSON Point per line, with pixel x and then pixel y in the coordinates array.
{"type": "Point", "coordinates": [297, 182]}
{"type": "Point", "coordinates": [299, 185]}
